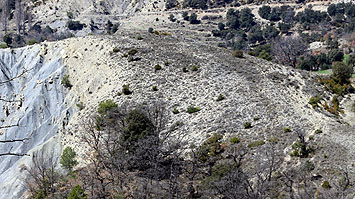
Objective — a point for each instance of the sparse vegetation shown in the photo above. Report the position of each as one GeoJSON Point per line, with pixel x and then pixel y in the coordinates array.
{"type": "Point", "coordinates": [125, 89]}
{"type": "Point", "coordinates": [132, 52]}
{"type": "Point", "coordinates": [66, 82]}
{"type": "Point", "coordinates": [157, 67]}
{"type": "Point", "coordinates": [247, 125]}
{"type": "Point", "coordinates": [194, 68]}
{"type": "Point", "coordinates": [238, 53]}
{"type": "Point", "coordinates": [106, 106]}
{"type": "Point", "coordinates": [314, 101]}
{"type": "Point", "coordinates": [192, 109]}
{"type": "Point", "coordinates": [176, 111]}
{"type": "Point", "coordinates": [256, 143]}
{"type": "Point", "coordinates": [154, 88]}
{"type": "Point", "coordinates": [287, 129]}
{"type": "Point", "coordinates": [234, 140]}
{"type": "Point", "coordinates": [67, 159]}
{"type": "Point", "coordinates": [220, 97]}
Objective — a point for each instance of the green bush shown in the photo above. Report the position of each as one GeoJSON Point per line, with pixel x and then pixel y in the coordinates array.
{"type": "Point", "coordinates": [125, 89]}
{"type": "Point", "coordinates": [247, 125]}
{"type": "Point", "coordinates": [176, 111]}
{"type": "Point", "coordinates": [80, 105]}
{"type": "Point", "coordinates": [256, 143]}
{"type": "Point", "coordinates": [154, 88]}
{"type": "Point", "coordinates": [75, 25]}
{"type": "Point", "coordinates": [192, 109]}
{"type": "Point", "coordinates": [150, 30]}
{"type": "Point", "coordinates": [184, 69]}
{"type": "Point", "coordinates": [116, 50]}
{"type": "Point", "coordinates": [238, 53]}
{"type": "Point", "coordinates": [3, 45]}
{"type": "Point", "coordinates": [106, 106]}
{"type": "Point", "coordinates": [66, 82]}
{"type": "Point", "coordinates": [234, 140]}
{"type": "Point", "coordinates": [31, 42]}
{"type": "Point", "coordinates": [212, 147]}
{"type": "Point", "coordinates": [220, 98]}
{"type": "Point", "coordinates": [70, 15]}
{"type": "Point", "coordinates": [77, 193]}
{"type": "Point", "coordinates": [318, 131]}
{"type": "Point", "coordinates": [326, 185]}
{"type": "Point", "coordinates": [194, 68]}
{"type": "Point", "coordinates": [314, 101]}
{"type": "Point", "coordinates": [67, 160]}
{"type": "Point", "coordinates": [342, 72]}
{"type": "Point", "coordinates": [139, 37]}
{"type": "Point", "coordinates": [132, 52]}
{"type": "Point", "coordinates": [157, 67]}
{"type": "Point", "coordinates": [287, 129]}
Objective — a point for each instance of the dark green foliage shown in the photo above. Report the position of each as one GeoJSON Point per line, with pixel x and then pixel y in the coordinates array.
{"type": "Point", "coordinates": [184, 69]}
{"type": "Point", "coordinates": [193, 19]}
{"type": "Point", "coordinates": [157, 67]}
{"type": "Point", "coordinates": [125, 89]}
{"type": "Point", "coordinates": [106, 106]}
{"type": "Point", "coordinates": [31, 42]}
{"type": "Point", "coordinates": [194, 68]}
{"type": "Point", "coordinates": [67, 160]}
{"type": "Point", "coordinates": [176, 111]}
{"type": "Point", "coordinates": [154, 88]}
{"type": "Point", "coordinates": [265, 55]}
{"type": "Point", "coordinates": [255, 34]}
{"type": "Point", "coordinates": [264, 12]}
{"type": "Point", "coordinates": [80, 105]}
{"type": "Point", "coordinates": [247, 125]}
{"type": "Point", "coordinates": [234, 140]}
{"type": "Point", "coordinates": [342, 72]}
{"type": "Point", "coordinates": [326, 185]}
{"type": "Point", "coordinates": [308, 166]}
{"type": "Point", "coordinates": [238, 53]}
{"type": "Point", "coordinates": [256, 143]}
{"type": "Point", "coordinates": [138, 126]}
{"type": "Point", "coordinates": [197, 4]}
{"type": "Point", "coordinates": [335, 56]}
{"type": "Point", "coordinates": [308, 63]}
{"type": "Point", "coordinates": [211, 148]}
{"type": "Point", "coordinates": [70, 15]}
{"type": "Point", "coordinates": [284, 27]}
{"type": "Point", "coordinates": [270, 32]}
{"type": "Point", "coordinates": [221, 26]}
{"type": "Point", "coordinates": [185, 15]}
{"type": "Point", "coordinates": [309, 16]}
{"type": "Point", "coordinates": [41, 194]}
{"type": "Point", "coordinates": [66, 82]}
{"type": "Point", "coordinates": [318, 131]}
{"type": "Point", "coordinates": [287, 129]}
{"type": "Point", "coordinates": [170, 4]}
{"type": "Point", "coordinates": [132, 52]}
{"type": "Point", "coordinates": [77, 193]}
{"type": "Point", "coordinates": [172, 18]}
{"type": "Point", "coordinates": [150, 30]}
{"type": "Point", "coordinates": [246, 19]}
{"type": "Point", "coordinates": [116, 50]}
{"type": "Point", "coordinates": [314, 101]}
{"type": "Point", "coordinates": [233, 19]}
{"type": "Point", "coordinates": [7, 39]}
{"type": "Point", "coordinates": [220, 97]}
{"type": "Point", "coordinates": [75, 25]}
{"type": "Point", "coordinates": [192, 109]}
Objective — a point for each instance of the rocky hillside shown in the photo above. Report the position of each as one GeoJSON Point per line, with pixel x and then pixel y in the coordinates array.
{"type": "Point", "coordinates": [193, 74]}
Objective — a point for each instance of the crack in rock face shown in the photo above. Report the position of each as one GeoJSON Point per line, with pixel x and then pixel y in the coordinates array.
{"type": "Point", "coordinates": [36, 108]}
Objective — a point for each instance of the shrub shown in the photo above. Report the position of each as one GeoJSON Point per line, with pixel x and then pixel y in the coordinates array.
{"type": "Point", "coordinates": [287, 129]}
{"type": "Point", "coordinates": [234, 140]}
{"type": "Point", "coordinates": [77, 193]}
{"type": "Point", "coordinates": [184, 69]}
{"type": "Point", "coordinates": [193, 19]}
{"type": "Point", "coordinates": [238, 53]}
{"type": "Point", "coordinates": [185, 15]}
{"type": "Point", "coordinates": [125, 89]}
{"type": "Point", "coordinates": [154, 88]}
{"type": "Point", "coordinates": [166, 63]}
{"type": "Point", "coordinates": [318, 131]}
{"type": "Point", "coordinates": [211, 148]}
{"type": "Point", "coordinates": [3, 45]}
{"type": "Point", "coordinates": [256, 143]}
{"type": "Point", "coordinates": [342, 72]}
{"type": "Point", "coordinates": [247, 125]}
{"type": "Point", "coordinates": [172, 18]}
{"type": "Point", "coordinates": [116, 50]}
{"type": "Point", "coordinates": [70, 15]}
{"type": "Point", "coordinates": [31, 42]}
{"type": "Point", "coordinates": [192, 109]}
{"type": "Point", "coordinates": [139, 37]}
{"type": "Point", "coordinates": [156, 32]}
{"type": "Point", "coordinates": [105, 106]}
{"type": "Point", "coordinates": [150, 30]}
{"type": "Point", "coordinates": [75, 25]}
{"type": "Point", "coordinates": [66, 82]}
{"type": "Point", "coordinates": [220, 98]}
{"type": "Point", "coordinates": [326, 185]}
{"type": "Point", "coordinates": [194, 68]}
{"type": "Point", "coordinates": [157, 67]}
{"type": "Point", "coordinates": [80, 106]}
{"type": "Point", "coordinates": [132, 52]}
{"type": "Point", "coordinates": [176, 111]}
{"type": "Point", "coordinates": [314, 100]}
{"type": "Point", "coordinates": [67, 160]}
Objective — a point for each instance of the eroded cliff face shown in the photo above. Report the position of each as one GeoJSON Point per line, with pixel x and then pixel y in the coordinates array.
{"type": "Point", "coordinates": [38, 112]}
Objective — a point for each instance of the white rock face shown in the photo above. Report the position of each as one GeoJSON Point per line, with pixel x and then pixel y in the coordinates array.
{"type": "Point", "coordinates": [39, 115]}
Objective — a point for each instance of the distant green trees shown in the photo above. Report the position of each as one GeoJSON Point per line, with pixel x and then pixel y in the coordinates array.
{"type": "Point", "coordinates": [67, 160]}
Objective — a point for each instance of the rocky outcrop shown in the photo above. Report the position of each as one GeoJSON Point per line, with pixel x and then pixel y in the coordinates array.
{"type": "Point", "coordinates": [38, 109]}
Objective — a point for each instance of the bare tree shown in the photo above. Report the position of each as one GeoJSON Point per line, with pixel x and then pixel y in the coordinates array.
{"type": "Point", "coordinates": [287, 49]}
{"type": "Point", "coordinates": [19, 16]}
{"type": "Point", "coordinates": [5, 15]}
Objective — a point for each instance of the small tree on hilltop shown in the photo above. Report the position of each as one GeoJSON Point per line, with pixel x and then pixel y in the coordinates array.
{"type": "Point", "coordinates": [67, 159]}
